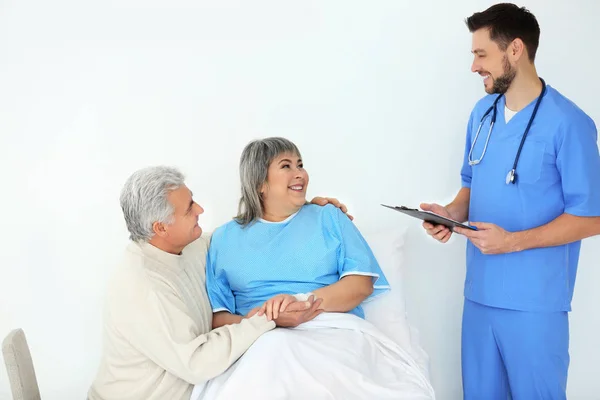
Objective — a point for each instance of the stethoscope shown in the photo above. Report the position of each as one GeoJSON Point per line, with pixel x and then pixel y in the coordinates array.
{"type": "Point", "coordinates": [511, 177]}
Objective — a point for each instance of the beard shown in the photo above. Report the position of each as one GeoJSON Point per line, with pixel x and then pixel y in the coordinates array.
{"type": "Point", "coordinates": [503, 82]}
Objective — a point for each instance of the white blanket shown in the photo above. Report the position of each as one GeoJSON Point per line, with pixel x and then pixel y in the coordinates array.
{"type": "Point", "coordinates": [335, 356]}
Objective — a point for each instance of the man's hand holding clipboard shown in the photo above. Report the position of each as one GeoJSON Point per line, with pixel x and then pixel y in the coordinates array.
{"type": "Point", "coordinates": [437, 221]}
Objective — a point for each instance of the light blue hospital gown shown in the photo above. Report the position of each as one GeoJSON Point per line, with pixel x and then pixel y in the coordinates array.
{"type": "Point", "coordinates": [311, 249]}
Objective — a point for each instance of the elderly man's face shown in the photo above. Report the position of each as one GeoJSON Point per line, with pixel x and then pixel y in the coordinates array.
{"type": "Point", "coordinates": [184, 229]}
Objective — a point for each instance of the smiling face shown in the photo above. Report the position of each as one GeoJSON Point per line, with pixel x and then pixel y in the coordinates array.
{"type": "Point", "coordinates": [284, 191]}
{"type": "Point", "coordinates": [183, 228]}
{"type": "Point", "coordinates": [492, 63]}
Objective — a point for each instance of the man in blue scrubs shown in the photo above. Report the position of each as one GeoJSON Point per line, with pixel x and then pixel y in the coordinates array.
{"type": "Point", "coordinates": [530, 217]}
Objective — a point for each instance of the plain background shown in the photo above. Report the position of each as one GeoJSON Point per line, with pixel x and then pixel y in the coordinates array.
{"type": "Point", "coordinates": [375, 93]}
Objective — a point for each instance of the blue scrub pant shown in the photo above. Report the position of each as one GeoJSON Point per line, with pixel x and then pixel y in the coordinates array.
{"type": "Point", "coordinates": [524, 354]}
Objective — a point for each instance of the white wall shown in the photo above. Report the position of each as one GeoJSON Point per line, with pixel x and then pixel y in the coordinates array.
{"type": "Point", "coordinates": [90, 91]}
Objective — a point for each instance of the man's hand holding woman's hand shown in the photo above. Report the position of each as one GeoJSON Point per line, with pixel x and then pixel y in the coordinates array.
{"type": "Point", "coordinates": [287, 311]}
{"type": "Point", "coordinates": [255, 311]}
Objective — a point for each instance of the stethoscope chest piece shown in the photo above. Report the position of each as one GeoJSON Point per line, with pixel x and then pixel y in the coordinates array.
{"type": "Point", "coordinates": [510, 177]}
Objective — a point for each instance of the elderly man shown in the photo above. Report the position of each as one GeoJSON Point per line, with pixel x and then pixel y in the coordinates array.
{"type": "Point", "coordinates": [158, 341]}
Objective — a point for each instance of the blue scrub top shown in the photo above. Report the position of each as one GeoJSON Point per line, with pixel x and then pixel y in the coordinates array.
{"type": "Point", "coordinates": [558, 172]}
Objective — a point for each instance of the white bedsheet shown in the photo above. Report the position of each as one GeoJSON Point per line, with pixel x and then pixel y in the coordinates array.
{"type": "Point", "coordinates": [335, 356]}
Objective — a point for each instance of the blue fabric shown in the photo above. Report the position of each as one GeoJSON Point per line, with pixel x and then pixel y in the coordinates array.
{"type": "Point", "coordinates": [524, 353]}
{"type": "Point", "coordinates": [312, 249]}
{"type": "Point", "coordinates": [558, 172]}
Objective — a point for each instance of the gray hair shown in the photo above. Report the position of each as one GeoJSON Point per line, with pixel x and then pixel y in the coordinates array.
{"type": "Point", "coordinates": [254, 164]}
{"type": "Point", "coordinates": [144, 200]}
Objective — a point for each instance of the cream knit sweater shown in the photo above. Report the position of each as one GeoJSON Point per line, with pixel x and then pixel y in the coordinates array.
{"type": "Point", "coordinates": [158, 341]}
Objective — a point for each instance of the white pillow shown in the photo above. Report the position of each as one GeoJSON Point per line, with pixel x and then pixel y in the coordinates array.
{"type": "Point", "coordinates": [388, 311]}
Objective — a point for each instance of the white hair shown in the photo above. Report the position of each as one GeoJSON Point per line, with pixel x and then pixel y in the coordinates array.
{"type": "Point", "coordinates": [144, 200]}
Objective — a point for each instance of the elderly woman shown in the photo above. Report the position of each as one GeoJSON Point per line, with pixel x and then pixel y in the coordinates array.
{"type": "Point", "coordinates": [280, 249]}
{"type": "Point", "coordinates": [278, 244]}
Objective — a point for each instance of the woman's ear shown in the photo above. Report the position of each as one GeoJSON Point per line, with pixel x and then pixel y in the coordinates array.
{"type": "Point", "coordinates": [263, 189]}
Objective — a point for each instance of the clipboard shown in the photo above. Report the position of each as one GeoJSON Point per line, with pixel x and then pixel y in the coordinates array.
{"type": "Point", "coordinates": [430, 217]}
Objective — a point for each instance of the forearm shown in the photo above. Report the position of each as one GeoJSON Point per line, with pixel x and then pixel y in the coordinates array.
{"type": "Point", "coordinates": [161, 328]}
{"type": "Point", "coordinates": [564, 229]}
{"type": "Point", "coordinates": [222, 318]}
{"type": "Point", "coordinates": [346, 294]}
{"type": "Point", "coordinates": [459, 207]}
{"type": "Point", "coordinates": [222, 346]}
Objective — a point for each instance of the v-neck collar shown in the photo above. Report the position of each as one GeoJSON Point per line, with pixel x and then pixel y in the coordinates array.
{"type": "Point", "coordinates": [528, 110]}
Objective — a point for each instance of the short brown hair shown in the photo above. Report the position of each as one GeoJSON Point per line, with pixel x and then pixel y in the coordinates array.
{"type": "Point", "coordinates": [507, 22]}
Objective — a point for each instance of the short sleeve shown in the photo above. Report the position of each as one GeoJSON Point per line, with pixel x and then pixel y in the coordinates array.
{"type": "Point", "coordinates": [578, 163]}
{"type": "Point", "coordinates": [217, 287]}
{"type": "Point", "coordinates": [466, 170]}
{"type": "Point", "coordinates": [355, 256]}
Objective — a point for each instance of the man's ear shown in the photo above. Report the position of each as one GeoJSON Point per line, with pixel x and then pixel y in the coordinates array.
{"type": "Point", "coordinates": [516, 50]}
{"type": "Point", "coordinates": [159, 229]}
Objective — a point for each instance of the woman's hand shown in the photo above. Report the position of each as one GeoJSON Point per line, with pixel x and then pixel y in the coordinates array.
{"type": "Point", "coordinates": [277, 304]}
{"type": "Point", "coordinates": [255, 311]}
{"type": "Point", "coordinates": [283, 302]}
{"type": "Point", "coordinates": [291, 319]}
